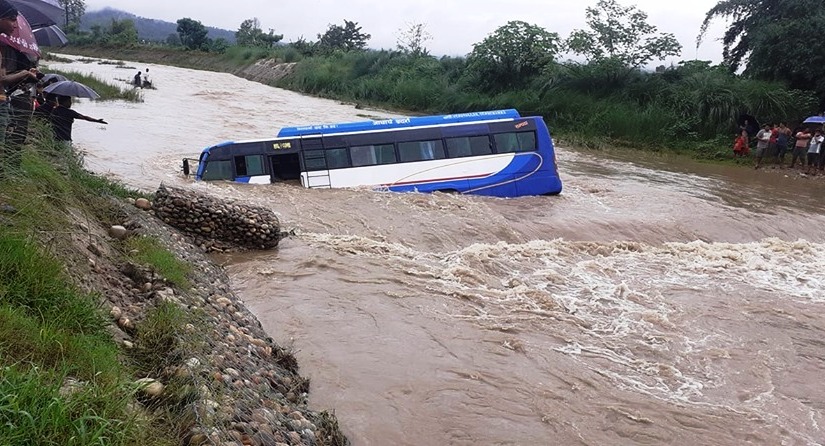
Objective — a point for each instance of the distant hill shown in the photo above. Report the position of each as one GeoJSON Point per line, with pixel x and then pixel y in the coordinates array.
{"type": "Point", "coordinates": [148, 29]}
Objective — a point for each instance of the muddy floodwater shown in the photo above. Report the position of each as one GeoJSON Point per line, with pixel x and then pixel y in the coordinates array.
{"type": "Point", "coordinates": [655, 301]}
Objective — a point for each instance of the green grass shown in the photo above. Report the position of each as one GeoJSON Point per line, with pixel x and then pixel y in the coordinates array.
{"type": "Point", "coordinates": [51, 333]}
{"type": "Point", "coordinates": [149, 251]}
{"type": "Point", "coordinates": [158, 339]}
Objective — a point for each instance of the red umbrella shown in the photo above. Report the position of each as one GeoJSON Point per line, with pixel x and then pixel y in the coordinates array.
{"type": "Point", "coordinates": [22, 39]}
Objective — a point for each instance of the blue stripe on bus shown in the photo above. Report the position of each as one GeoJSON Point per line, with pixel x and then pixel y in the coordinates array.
{"type": "Point", "coordinates": [397, 123]}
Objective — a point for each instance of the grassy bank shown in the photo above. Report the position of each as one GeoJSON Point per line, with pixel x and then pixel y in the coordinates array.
{"type": "Point", "coordinates": [63, 379]}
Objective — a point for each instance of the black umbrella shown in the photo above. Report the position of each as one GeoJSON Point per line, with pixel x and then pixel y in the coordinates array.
{"type": "Point", "coordinates": [748, 123]}
{"type": "Point", "coordinates": [71, 88]}
{"type": "Point", "coordinates": [47, 78]}
{"type": "Point", "coordinates": [50, 36]}
{"type": "Point", "coordinates": [40, 13]}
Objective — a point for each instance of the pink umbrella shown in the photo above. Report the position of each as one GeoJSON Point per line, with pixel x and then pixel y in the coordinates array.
{"type": "Point", "coordinates": [22, 39]}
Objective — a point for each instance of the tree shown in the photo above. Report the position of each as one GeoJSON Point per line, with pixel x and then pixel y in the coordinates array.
{"type": "Point", "coordinates": [173, 39]}
{"type": "Point", "coordinates": [74, 11]}
{"type": "Point", "coordinates": [123, 32]}
{"type": "Point", "coordinates": [411, 40]}
{"type": "Point", "coordinates": [192, 34]}
{"type": "Point", "coordinates": [250, 34]}
{"type": "Point", "coordinates": [621, 36]}
{"type": "Point", "coordinates": [777, 40]}
{"type": "Point", "coordinates": [346, 38]}
{"type": "Point", "coordinates": [512, 55]}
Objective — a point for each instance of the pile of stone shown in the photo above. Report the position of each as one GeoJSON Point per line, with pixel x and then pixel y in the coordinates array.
{"type": "Point", "coordinates": [215, 224]}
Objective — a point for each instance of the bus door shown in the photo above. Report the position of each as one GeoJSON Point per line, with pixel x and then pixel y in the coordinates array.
{"type": "Point", "coordinates": [314, 171]}
{"type": "Point", "coordinates": [285, 164]}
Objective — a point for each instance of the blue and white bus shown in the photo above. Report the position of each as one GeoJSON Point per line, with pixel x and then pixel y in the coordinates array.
{"type": "Point", "coordinates": [498, 153]}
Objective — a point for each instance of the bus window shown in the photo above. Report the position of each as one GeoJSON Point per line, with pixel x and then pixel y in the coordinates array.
{"type": "Point", "coordinates": [218, 170]}
{"type": "Point", "coordinates": [249, 165]}
{"type": "Point", "coordinates": [515, 142]}
{"type": "Point", "coordinates": [421, 150]}
{"type": "Point", "coordinates": [314, 160]}
{"type": "Point", "coordinates": [373, 154]}
{"type": "Point", "coordinates": [337, 158]}
{"type": "Point", "coordinates": [468, 146]}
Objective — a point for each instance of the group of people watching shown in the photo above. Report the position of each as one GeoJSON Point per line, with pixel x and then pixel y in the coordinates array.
{"type": "Point", "coordinates": [805, 143]}
{"type": "Point", "coordinates": [22, 97]}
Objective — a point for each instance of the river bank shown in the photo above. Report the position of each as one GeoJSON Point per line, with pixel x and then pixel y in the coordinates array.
{"type": "Point", "coordinates": [195, 365]}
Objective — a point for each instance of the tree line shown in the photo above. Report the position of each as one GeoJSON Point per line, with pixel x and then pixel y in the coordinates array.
{"type": "Point", "coordinates": [772, 68]}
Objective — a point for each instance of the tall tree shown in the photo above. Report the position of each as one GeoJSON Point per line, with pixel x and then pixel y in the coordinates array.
{"type": "Point", "coordinates": [123, 32]}
{"type": "Point", "coordinates": [250, 34]}
{"type": "Point", "coordinates": [346, 38]}
{"type": "Point", "coordinates": [192, 34]}
{"type": "Point", "coordinates": [779, 40]}
{"type": "Point", "coordinates": [74, 12]}
{"type": "Point", "coordinates": [621, 35]}
{"type": "Point", "coordinates": [411, 40]}
{"type": "Point", "coordinates": [512, 55]}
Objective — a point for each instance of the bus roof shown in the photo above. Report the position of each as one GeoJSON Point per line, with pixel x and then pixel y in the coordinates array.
{"type": "Point", "coordinates": [398, 123]}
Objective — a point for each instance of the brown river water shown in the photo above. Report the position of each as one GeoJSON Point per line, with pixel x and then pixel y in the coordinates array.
{"type": "Point", "coordinates": [655, 301]}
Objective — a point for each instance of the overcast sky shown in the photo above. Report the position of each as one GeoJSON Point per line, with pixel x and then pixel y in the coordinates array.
{"type": "Point", "coordinates": [455, 25]}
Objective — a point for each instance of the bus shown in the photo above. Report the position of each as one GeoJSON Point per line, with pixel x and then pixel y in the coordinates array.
{"type": "Point", "coordinates": [497, 153]}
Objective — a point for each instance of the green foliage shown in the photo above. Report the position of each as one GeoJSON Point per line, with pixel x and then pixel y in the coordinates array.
{"type": "Point", "coordinates": [158, 339]}
{"type": "Point", "coordinates": [192, 34]}
{"type": "Point", "coordinates": [149, 251]}
{"type": "Point", "coordinates": [621, 34]}
{"type": "Point", "coordinates": [250, 34]}
{"type": "Point", "coordinates": [779, 40]}
{"type": "Point", "coordinates": [32, 411]}
{"type": "Point", "coordinates": [123, 32]}
{"type": "Point", "coordinates": [411, 40]}
{"type": "Point", "coordinates": [344, 38]}
{"type": "Point", "coordinates": [512, 56]}
{"type": "Point", "coordinates": [35, 282]}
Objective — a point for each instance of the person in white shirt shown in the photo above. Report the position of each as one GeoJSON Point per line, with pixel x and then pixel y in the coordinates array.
{"type": "Point", "coordinates": [763, 139]}
{"type": "Point", "coordinates": [815, 152]}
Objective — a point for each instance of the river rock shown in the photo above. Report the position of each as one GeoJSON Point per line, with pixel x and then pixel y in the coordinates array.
{"type": "Point", "coordinates": [142, 203]}
{"type": "Point", "coordinates": [118, 232]}
{"type": "Point", "coordinates": [217, 224]}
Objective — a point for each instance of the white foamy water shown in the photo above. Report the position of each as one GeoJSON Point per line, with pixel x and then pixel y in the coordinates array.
{"type": "Point", "coordinates": [655, 301]}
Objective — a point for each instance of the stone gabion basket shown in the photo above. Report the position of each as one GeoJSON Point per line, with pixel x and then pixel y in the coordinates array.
{"type": "Point", "coordinates": [216, 224]}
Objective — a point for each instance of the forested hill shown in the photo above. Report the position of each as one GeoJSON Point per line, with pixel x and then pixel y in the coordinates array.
{"type": "Point", "coordinates": [148, 29]}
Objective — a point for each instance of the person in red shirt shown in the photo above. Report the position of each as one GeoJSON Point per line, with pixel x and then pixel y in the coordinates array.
{"type": "Point", "coordinates": [772, 149]}
{"type": "Point", "coordinates": [740, 145]}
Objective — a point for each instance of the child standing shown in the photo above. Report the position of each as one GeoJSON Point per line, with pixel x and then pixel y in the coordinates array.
{"type": "Point", "coordinates": [740, 145]}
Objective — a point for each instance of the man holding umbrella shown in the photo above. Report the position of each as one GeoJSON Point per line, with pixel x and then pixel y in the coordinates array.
{"type": "Point", "coordinates": [8, 25]}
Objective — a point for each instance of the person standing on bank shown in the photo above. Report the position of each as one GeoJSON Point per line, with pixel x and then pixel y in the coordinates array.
{"type": "Point", "coordinates": [62, 118]}
{"type": "Point", "coordinates": [763, 139]}
{"type": "Point", "coordinates": [8, 24]}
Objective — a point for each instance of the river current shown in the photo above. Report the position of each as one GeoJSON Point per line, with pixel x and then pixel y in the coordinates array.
{"type": "Point", "coordinates": [655, 301]}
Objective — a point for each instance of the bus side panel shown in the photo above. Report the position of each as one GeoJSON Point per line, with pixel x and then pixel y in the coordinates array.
{"type": "Point", "coordinates": [545, 178]}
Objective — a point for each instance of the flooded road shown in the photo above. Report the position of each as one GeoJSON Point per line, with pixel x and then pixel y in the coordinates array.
{"type": "Point", "coordinates": [655, 301]}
